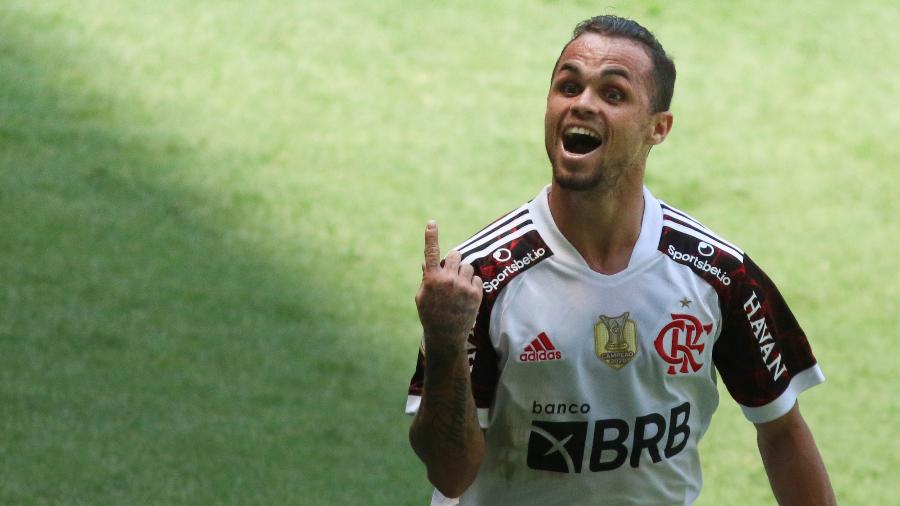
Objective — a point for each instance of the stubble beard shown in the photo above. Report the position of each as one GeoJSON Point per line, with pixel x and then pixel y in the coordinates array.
{"type": "Point", "coordinates": [598, 179]}
{"type": "Point", "coordinates": [577, 182]}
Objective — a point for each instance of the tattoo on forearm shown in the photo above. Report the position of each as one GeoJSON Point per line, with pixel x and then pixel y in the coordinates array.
{"type": "Point", "coordinates": [441, 355]}
{"type": "Point", "coordinates": [451, 416]}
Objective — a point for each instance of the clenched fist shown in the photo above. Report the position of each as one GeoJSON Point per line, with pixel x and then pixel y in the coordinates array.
{"type": "Point", "coordinates": [448, 297]}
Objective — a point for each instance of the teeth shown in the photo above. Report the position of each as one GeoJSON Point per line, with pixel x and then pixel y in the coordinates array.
{"type": "Point", "coordinates": [582, 131]}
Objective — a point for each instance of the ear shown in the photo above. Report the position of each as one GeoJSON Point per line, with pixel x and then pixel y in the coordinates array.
{"type": "Point", "coordinates": [661, 126]}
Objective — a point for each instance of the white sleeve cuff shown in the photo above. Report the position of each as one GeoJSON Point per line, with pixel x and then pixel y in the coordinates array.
{"type": "Point", "coordinates": [412, 406]}
{"type": "Point", "coordinates": [439, 499]}
{"type": "Point", "coordinates": [800, 382]}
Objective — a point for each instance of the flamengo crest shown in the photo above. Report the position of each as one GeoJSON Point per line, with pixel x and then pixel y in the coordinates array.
{"type": "Point", "coordinates": [615, 340]}
{"type": "Point", "coordinates": [678, 343]}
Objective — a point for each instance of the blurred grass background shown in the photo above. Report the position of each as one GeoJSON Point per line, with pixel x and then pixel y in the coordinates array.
{"type": "Point", "coordinates": [212, 216]}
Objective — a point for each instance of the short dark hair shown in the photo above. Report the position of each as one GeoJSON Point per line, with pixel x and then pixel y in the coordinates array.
{"type": "Point", "coordinates": [663, 73]}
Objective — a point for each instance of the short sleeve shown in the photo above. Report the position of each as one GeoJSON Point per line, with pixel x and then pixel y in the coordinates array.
{"type": "Point", "coordinates": [762, 354]}
{"type": "Point", "coordinates": [482, 366]}
{"type": "Point", "coordinates": [498, 253]}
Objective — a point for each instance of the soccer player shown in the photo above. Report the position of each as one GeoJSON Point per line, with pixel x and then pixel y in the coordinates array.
{"type": "Point", "coordinates": [570, 348]}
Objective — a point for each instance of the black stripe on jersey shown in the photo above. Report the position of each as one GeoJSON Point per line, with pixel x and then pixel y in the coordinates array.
{"type": "Point", "coordinates": [681, 214]}
{"type": "Point", "coordinates": [494, 240]}
{"type": "Point", "coordinates": [492, 228]}
{"type": "Point", "coordinates": [689, 224]}
{"type": "Point", "coordinates": [687, 221]}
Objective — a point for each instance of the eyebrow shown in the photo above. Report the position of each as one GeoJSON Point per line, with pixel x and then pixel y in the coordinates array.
{"type": "Point", "coordinates": [607, 72]}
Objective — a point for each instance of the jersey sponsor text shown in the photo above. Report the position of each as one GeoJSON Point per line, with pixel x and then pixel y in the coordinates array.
{"type": "Point", "coordinates": [560, 446]}
{"type": "Point", "coordinates": [699, 263]}
{"type": "Point", "coordinates": [559, 408]}
{"type": "Point", "coordinates": [514, 266]}
{"type": "Point", "coordinates": [763, 337]}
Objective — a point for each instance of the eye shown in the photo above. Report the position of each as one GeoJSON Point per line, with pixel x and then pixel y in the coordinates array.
{"type": "Point", "coordinates": [569, 88]}
{"type": "Point", "coordinates": [614, 95]}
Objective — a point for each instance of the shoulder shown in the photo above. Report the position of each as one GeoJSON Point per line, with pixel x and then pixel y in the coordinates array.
{"type": "Point", "coordinates": [506, 248]}
{"type": "Point", "coordinates": [686, 241]}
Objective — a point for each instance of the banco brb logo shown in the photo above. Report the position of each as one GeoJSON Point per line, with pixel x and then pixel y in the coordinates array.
{"type": "Point", "coordinates": [678, 343]}
{"type": "Point", "coordinates": [642, 440]}
{"type": "Point", "coordinates": [556, 446]}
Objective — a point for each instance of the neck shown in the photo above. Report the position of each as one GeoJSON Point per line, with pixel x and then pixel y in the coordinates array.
{"type": "Point", "coordinates": [603, 225]}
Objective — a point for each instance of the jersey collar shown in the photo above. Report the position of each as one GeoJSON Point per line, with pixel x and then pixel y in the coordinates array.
{"type": "Point", "coordinates": [644, 249]}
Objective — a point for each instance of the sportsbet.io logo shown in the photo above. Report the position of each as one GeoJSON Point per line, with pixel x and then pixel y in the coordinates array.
{"type": "Point", "coordinates": [700, 263]}
{"type": "Point", "coordinates": [504, 255]}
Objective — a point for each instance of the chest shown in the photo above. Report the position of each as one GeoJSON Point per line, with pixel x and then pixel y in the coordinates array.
{"type": "Point", "coordinates": [660, 323]}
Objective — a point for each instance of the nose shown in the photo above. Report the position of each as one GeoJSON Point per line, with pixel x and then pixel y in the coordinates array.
{"type": "Point", "coordinates": [587, 103]}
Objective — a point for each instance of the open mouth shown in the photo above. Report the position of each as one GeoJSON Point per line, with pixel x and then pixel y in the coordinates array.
{"type": "Point", "coordinates": [580, 141]}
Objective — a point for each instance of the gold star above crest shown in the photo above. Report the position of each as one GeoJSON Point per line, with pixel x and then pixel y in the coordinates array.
{"type": "Point", "coordinates": [685, 302]}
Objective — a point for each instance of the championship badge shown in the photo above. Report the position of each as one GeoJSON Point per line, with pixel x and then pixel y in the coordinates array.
{"type": "Point", "coordinates": [615, 340]}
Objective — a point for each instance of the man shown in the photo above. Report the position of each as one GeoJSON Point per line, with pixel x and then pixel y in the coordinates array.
{"type": "Point", "coordinates": [568, 347]}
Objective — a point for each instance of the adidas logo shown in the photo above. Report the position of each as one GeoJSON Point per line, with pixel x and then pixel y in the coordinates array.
{"type": "Point", "coordinates": [540, 350]}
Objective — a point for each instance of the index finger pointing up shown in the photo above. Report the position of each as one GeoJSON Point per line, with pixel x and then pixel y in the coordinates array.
{"type": "Point", "coordinates": [432, 248]}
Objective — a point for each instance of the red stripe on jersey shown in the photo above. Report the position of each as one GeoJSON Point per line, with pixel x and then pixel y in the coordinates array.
{"type": "Point", "coordinates": [537, 345]}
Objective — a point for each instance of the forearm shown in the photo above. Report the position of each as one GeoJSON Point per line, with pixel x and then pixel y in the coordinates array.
{"type": "Point", "coordinates": [794, 466]}
{"type": "Point", "coordinates": [445, 433]}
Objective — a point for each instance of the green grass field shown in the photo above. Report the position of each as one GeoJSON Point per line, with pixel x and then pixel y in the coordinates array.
{"type": "Point", "coordinates": [212, 217]}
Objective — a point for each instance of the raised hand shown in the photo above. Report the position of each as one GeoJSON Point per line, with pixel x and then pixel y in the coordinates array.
{"type": "Point", "coordinates": [445, 433]}
{"type": "Point", "coordinates": [449, 295]}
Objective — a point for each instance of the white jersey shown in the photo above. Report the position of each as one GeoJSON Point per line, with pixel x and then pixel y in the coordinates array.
{"type": "Point", "coordinates": [596, 389]}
